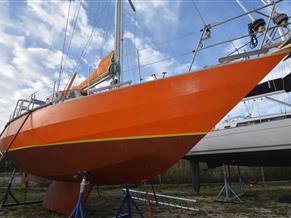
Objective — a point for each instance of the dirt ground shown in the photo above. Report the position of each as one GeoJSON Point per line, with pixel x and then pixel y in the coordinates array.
{"type": "Point", "coordinates": [258, 201]}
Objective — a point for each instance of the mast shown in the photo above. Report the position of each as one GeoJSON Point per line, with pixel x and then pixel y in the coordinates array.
{"type": "Point", "coordinates": [118, 38]}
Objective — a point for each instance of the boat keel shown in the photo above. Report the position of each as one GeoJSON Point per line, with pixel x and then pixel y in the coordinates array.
{"type": "Point", "coordinates": [62, 197]}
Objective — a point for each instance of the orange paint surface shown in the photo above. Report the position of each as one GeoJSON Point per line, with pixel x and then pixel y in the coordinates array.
{"type": "Point", "coordinates": [148, 124]}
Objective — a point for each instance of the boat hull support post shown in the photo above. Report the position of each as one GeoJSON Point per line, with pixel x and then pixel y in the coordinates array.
{"type": "Point", "coordinates": [78, 211]}
{"type": "Point", "coordinates": [230, 194]}
{"type": "Point", "coordinates": [130, 203]}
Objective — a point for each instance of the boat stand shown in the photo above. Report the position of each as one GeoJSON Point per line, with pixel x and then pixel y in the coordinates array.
{"type": "Point", "coordinates": [130, 203]}
{"type": "Point", "coordinates": [230, 194]}
{"type": "Point", "coordinates": [148, 198]}
{"type": "Point", "coordinates": [155, 195]}
{"type": "Point", "coordinates": [241, 181]}
{"type": "Point", "coordinates": [79, 208]}
{"type": "Point", "coordinates": [9, 192]}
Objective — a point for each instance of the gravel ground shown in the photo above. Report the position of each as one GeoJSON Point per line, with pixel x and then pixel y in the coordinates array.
{"type": "Point", "coordinates": [258, 201]}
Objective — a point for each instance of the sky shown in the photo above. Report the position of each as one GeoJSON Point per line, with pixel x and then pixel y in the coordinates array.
{"type": "Point", "coordinates": [164, 32]}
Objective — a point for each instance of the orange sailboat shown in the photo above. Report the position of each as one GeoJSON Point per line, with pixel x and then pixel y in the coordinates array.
{"type": "Point", "coordinates": [132, 133]}
{"type": "Point", "coordinates": [127, 134]}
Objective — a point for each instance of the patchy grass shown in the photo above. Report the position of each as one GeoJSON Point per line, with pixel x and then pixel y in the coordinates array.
{"type": "Point", "coordinates": [259, 201]}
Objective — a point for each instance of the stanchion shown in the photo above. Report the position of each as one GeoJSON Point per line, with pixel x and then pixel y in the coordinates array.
{"type": "Point", "coordinates": [130, 203]}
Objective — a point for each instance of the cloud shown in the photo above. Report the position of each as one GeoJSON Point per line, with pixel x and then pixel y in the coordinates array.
{"type": "Point", "coordinates": [152, 61]}
{"type": "Point", "coordinates": [30, 48]}
{"type": "Point", "coordinates": [158, 14]}
{"type": "Point", "coordinates": [31, 42]}
{"type": "Point", "coordinates": [235, 45]}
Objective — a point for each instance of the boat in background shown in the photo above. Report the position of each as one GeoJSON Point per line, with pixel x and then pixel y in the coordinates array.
{"type": "Point", "coordinates": [263, 140]}
{"type": "Point", "coordinates": [257, 141]}
{"type": "Point", "coordinates": [124, 134]}
{"type": "Point", "coordinates": [250, 141]}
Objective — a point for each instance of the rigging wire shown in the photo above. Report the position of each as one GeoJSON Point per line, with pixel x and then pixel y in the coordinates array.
{"type": "Point", "coordinates": [259, 109]}
{"type": "Point", "coordinates": [186, 53]}
{"type": "Point", "coordinates": [158, 61]}
{"type": "Point", "coordinates": [121, 75]}
{"type": "Point", "coordinates": [135, 30]}
{"type": "Point", "coordinates": [199, 13]}
{"type": "Point", "coordinates": [85, 49]}
{"type": "Point", "coordinates": [108, 24]}
{"type": "Point", "coordinates": [168, 58]}
{"type": "Point", "coordinates": [232, 43]}
{"type": "Point", "coordinates": [164, 42]}
{"type": "Point", "coordinates": [205, 23]}
{"type": "Point", "coordinates": [63, 48]}
{"type": "Point", "coordinates": [206, 33]}
{"type": "Point", "coordinates": [282, 107]}
{"type": "Point", "coordinates": [286, 66]}
{"type": "Point", "coordinates": [75, 19]}
{"type": "Point", "coordinates": [135, 47]}
{"type": "Point", "coordinates": [51, 84]}
{"type": "Point", "coordinates": [251, 107]}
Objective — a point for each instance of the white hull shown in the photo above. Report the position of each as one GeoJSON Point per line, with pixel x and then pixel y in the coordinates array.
{"type": "Point", "coordinates": [267, 136]}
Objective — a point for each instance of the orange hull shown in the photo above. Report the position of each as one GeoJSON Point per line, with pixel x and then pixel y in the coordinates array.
{"type": "Point", "coordinates": [133, 133]}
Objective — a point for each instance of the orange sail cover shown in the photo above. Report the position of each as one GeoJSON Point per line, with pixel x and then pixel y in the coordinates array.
{"type": "Point", "coordinates": [101, 71]}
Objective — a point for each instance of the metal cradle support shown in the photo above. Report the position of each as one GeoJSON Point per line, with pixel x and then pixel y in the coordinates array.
{"type": "Point", "coordinates": [241, 181]}
{"type": "Point", "coordinates": [230, 194]}
{"type": "Point", "coordinates": [130, 203]}
{"type": "Point", "coordinates": [155, 195]}
{"type": "Point", "coordinates": [79, 208]}
{"type": "Point", "coordinates": [9, 192]}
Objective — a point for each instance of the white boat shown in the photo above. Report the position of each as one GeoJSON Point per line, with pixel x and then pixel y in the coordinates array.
{"type": "Point", "coordinates": [256, 141]}
{"type": "Point", "coordinates": [251, 141]}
